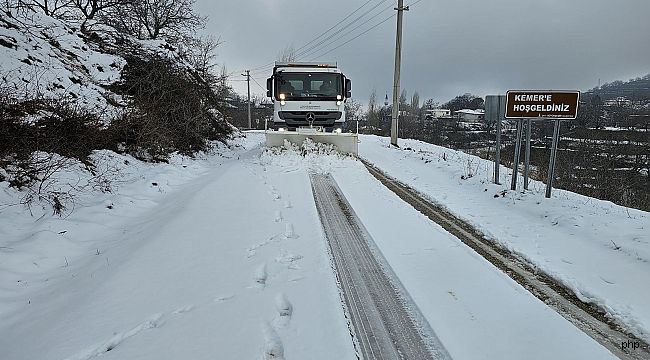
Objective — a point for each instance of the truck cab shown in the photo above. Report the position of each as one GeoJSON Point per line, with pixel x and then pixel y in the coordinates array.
{"type": "Point", "coordinates": [309, 95]}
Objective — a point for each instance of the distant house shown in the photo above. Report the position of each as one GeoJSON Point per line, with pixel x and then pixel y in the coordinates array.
{"type": "Point", "coordinates": [618, 101]}
{"type": "Point", "coordinates": [437, 114]}
{"type": "Point", "coordinates": [469, 115]}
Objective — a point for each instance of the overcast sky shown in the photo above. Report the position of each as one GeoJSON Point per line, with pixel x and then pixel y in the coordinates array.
{"type": "Point", "coordinates": [450, 47]}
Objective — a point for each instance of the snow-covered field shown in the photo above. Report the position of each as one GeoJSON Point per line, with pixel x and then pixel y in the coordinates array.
{"type": "Point", "coordinates": [224, 257]}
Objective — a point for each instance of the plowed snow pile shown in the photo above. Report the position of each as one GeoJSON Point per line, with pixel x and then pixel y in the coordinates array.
{"type": "Point", "coordinates": [315, 157]}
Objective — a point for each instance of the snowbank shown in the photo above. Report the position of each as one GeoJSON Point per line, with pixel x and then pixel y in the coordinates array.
{"type": "Point", "coordinates": [596, 248]}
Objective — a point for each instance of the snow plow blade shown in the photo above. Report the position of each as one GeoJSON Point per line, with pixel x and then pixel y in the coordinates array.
{"type": "Point", "coordinates": [346, 143]}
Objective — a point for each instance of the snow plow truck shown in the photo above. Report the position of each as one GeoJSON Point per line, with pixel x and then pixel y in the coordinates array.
{"type": "Point", "coordinates": [309, 102]}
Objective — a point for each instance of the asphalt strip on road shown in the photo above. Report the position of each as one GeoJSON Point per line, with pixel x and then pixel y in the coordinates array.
{"type": "Point", "coordinates": [385, 323]}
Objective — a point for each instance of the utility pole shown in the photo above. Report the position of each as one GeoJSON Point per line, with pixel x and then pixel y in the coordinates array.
{"type": "Point", "coordinates": [248, 81]}
{"type": "Point", "coordinates": [398, 60]}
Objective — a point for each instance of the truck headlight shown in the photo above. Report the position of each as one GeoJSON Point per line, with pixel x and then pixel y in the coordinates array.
{"type": "Point", "coordinates": [283, 96]}
{"type": "Point", "coordinates": [282, 102]}
{"type": "Point", "coordinates": [338, 97]}
{"type": "Point", "coordinates": [338, 130]}
{"type": "Point", "coordinates": [338, 103]}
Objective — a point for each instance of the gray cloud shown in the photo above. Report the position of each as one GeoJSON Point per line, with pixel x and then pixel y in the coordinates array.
{"type": "Point", "coordinates": [450, 47]}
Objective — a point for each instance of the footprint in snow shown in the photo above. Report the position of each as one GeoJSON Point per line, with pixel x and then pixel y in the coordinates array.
{"type": "Point", "coordinates": [607, 280]}
{"type": "Point", "coordinates": [287, 204]}
{"type": "Point", "coordinates": [273, 347]}
{"type": "Point", "coordinates": [284, 309]}
{"type": "Point", "coordinates": [183, 309]}
{"type": "Point", "coordinates": [252, 250]}
{"type": "Point", "coordinates": [260, 276]}
{"type": "Point", "coordinates": [225, 297]}
{"type": "Point", "coordinates": [278, 216]}
{"type": "Point", "coordinates": [289, 259]}
{"type": "Point", "coordinates": [288, 231]}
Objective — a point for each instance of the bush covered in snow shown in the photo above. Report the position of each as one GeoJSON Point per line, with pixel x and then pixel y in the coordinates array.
{"type": "Point", "coordinates": [68, 87]}
{"type": "Point", "coordinates": [170, 109]}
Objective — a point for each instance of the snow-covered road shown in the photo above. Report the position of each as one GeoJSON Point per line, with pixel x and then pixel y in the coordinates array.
{"type": "Point", "coordinates": [476, 310]}
{"type": "Point", "coordinates": [386, 323]}
{"type": "Point", "coordinates": [232, 263]}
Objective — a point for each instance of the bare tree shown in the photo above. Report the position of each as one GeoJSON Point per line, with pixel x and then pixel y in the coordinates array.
{"type": "Point", "coordinates": [431, 104]}
{"type": "Point", "coordinates": [151, 19]}
{"type": "Point", "coordinates": [201, 53]}
{"type": "Point", "coordinates": [52, 8]}
{"type": "Point", "coordinates": [288, 54]}
{"type": "Point", "coordinates": [415, 101]}
{"type": "Point", "coordinates": [353, 110]}
{"type": "Point", "coordinates": [402, 98]}
{"type": "Point", "coordinates": [90, 8]}
{"type": "Point", "coordinates": [372, 101]}
{"type": "Point", "coordinates": [166, 17]}
{"type": "Point", "coordinates": [222, 87]}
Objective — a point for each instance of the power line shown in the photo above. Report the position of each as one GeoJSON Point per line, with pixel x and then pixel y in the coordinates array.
{"type": "Point", "coordinates": [366, 31]}
{"type": "Point", "coordinates": [317, 47]}
{"type": "Point", "coordinates": [258, 84]}
{"type": "Point", "coordinates": [261, 72]}
{"type": "Point", "coordinates": [335, 25]}
{"type": "Point", "coordinates": [326, 31]}
{"type": "Point", "coordinates": [263, 66]}
{"type": "Point", "coordinates": [347, 33]}
{"type": "Point", "coordinates": [302, 53]}
{"type": "Point", "coordinates": [361, 34]}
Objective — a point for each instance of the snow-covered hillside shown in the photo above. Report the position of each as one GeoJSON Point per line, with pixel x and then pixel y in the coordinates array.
{"type": "Point", "coordinates": [44, 57]}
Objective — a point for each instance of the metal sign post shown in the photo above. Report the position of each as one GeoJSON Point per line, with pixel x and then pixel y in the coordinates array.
{"type": "Point", "coordinates": [497, 154]}
{"type": "Point", "coordinates": [529, 123]}
{"type": "Point", "coordinates": [495, 112]}
{"type": "Point", "coordinates": [551, 163]}
{"type": "Point", "coordinates": [515, 162]}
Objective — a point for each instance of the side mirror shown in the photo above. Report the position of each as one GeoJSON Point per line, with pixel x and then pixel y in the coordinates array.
{"type": "Point", "coordinates": [348, 88]}
{"type": "Point", "coordinates": [269, 86]}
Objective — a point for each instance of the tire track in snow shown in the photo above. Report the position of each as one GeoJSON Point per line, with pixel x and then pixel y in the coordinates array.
{"type": "Point", "coordinates": [382, 318]}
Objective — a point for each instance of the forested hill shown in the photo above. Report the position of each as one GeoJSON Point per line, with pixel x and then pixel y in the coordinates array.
{"type": "Point", "coordinates": [634, 89]}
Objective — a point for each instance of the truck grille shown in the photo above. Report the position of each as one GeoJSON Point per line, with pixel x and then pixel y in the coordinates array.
{"type": "Point", "coordinates": [302, 115]}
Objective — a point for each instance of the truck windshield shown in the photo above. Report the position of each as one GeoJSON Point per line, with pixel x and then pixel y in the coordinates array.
{"type": "Point", "coordinates": [308, 86]}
